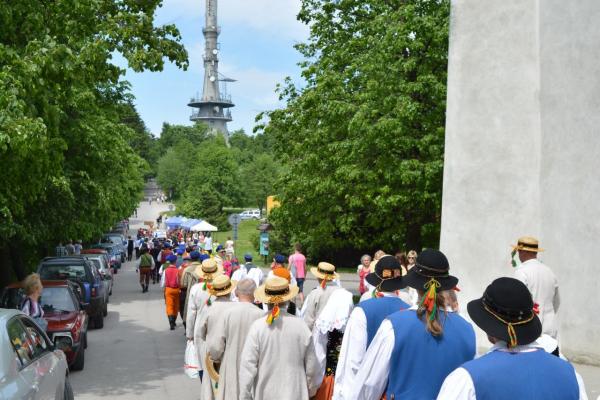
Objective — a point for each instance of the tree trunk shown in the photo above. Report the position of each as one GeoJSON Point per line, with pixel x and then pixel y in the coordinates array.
{"type": "Point", "coordinates": [6, 273]}
{"type": "Point", "coordinates": [413, 237]}
{"type": "Point", "coordinates": [18, 264]}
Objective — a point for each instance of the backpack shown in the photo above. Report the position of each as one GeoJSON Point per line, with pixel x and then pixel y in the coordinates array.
{"type": "Point", "coordinates": [163, 257]}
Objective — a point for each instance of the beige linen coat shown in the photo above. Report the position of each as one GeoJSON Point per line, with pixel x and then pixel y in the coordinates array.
{"type": "Point", "coordinates": [188, 280]}
{"type": "Point", "coordinates": [227, 343]}
{"type": "Point", "coordinates": [211, 325]}
{"type": "Point", "coordinates": [315, 302]}
{"type": "Point", "coordinates": [278, 361]}
{"type": "Point", "coordinates": [195, 312]}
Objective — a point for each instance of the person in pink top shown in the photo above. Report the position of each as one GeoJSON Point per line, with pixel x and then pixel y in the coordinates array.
{"type": "Point", "coordinates": [297, 263]}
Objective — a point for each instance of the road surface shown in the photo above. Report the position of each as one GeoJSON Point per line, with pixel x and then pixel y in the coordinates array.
{"type": "Point", "coordinates": [136, 356]}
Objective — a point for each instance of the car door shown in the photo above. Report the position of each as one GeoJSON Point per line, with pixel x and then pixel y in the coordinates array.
{"type": "Point", "coordinates": [50, 374]}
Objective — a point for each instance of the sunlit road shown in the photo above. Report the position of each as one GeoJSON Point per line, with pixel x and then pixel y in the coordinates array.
{"type": "Point", "coordinates": [135, 355]}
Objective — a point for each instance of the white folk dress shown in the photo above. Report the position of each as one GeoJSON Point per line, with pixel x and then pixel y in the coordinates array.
{"type": "Point", "coordinates": [315, 302]}
{"type": "Point", "coordinates": [195, 312]}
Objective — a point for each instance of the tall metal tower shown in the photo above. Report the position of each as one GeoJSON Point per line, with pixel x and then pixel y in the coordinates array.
{"type": "Point", "coordinates": [213, 106]}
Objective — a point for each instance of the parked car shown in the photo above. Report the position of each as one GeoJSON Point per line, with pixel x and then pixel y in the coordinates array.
{"type": "Point", "coordinates": [81, 271]}
{"type": "Point", "coordinates": [250, 214]}
{"type": "Point", "coordinates": [31, 367]}
{"type": "Point", "coordinates": [63, 310]}
{"type": "Point", "coordinates": [113, 254]}
{"type": "Point", "coordinates": [104, 268]}
{"type": "Point", "coordinates": [119, 241]}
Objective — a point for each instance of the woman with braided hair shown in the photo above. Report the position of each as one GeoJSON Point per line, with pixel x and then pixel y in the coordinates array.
{"type": "Point", "coordinates": [414, 350]}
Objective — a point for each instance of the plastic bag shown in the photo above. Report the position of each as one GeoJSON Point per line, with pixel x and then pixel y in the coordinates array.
{"type": "Point", "coordinates": [191, 365]}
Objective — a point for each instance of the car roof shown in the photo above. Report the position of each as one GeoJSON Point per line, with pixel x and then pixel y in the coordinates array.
{"type": "Point", "coordinates": [8, 313]}
{"type": "Point", "coordinates": [63, 260]}
{"type": "Point", "coordinates": [94, 251]}
{"type": "Point", "coordinates": [45, 283]}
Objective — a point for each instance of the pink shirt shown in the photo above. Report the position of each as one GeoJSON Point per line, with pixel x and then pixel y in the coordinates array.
{"type": "Point", "coordinates": [299, 261]}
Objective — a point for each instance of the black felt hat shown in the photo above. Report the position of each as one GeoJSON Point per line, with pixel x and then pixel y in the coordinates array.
{"type": "Point", "coordinates": [387, 276]}
{"type": "Point", "coordinates": [431, 264]}
{"type": "Point", "coordinates": [506, 312]}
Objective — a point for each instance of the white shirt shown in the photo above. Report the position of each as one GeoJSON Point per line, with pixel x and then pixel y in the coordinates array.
{"type": "Point", "coordinates": [354, 347]}
{"type": "Point", "coordinates": [459, 385]}
{"type": "Point", "coordinates": [372, 377]}
{"type": "Point", "coordinates": [543, 285]}
{"type": "Point", "coordinates": [256, 275]}
{"type": "Point", "coordinates": [208, 243]}
{"type": "Point", "coordinates": [237, 276]}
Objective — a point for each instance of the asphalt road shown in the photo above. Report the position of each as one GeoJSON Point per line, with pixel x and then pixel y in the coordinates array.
{"type": "Point", "coordinates": [136, 356]}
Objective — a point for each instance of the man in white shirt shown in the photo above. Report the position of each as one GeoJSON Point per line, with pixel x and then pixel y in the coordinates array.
{"type": "Point", "coordinates": [516, 367]}
{"type": "Point", "coordinates": [541, 282]}
{"type": "Point", "coordinates": [252, 271]}
{"type": "Point", "coordinates": [366, 318]}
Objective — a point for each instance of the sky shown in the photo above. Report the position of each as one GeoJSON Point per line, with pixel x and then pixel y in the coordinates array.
{"type": "Point", "coordinates": [257, 38]}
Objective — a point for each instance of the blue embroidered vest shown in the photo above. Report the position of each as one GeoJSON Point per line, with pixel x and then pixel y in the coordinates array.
{"type": "Point", "coordinates": [501, 375]}
{"type": "Point", "coordinates": [376, 310]}
{"type": "Point", "coordinates": [420, 361]}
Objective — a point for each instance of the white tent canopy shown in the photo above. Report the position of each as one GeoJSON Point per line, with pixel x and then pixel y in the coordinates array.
{"type": "Point", "coordinates": [204, 226]}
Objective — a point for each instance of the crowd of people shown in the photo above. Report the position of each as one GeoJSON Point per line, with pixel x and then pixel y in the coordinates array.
{"type": "Point", "coordinates": [257, 337]}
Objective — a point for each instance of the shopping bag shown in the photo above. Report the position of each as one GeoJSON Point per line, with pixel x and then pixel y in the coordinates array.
{"type": "Point", "coordinates": [191, 365]}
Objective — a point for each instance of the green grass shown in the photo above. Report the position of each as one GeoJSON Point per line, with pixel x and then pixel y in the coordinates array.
{"type": "Point", "coordinates": [246, 230]}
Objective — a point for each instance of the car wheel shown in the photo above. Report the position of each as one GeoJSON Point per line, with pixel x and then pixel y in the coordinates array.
{"type": "Point", "coordinates": [79, 360]}
{"type": "Point", "coordinates": [110, 293]}
{"type": "Point", "coordinates": [105, 310]}
{"type": "Point", "coordinates": [68, 392]}
{"type": "Point", "coordinates": [116, 271]}
{"type": "Point", "coordinates": [99, 322]}
{"type": "Point", "coordinates": [85, 341]}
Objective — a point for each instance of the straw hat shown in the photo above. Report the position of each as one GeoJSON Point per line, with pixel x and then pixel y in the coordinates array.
{"type": "Point", "coordinates": [208, 269]}
{"type": "Point", "coordinates": [212, 368]}
{"type": "Point", "coordinates": [275, 290]}
{"type": "Point", "coordinates": [527, 243]}
{"type": "Point", "coordinates": [325, 271]}
{"type": "Point", "coordinates": [221, 286]}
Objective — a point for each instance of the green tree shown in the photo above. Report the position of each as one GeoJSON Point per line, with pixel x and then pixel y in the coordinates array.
{"type": "Point", "coordinates": [363, 139]}
{"type": "Point", "coordinates": [70, 170]}
{"type": "Point", "coordinates": [204, 203]}
{"type": "Point", "coordinates": [259, 177]}
{"type": "Point", "coordinates": [172, 134]}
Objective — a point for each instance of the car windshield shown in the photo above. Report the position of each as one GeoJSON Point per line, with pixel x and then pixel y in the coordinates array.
{"type": "Point", "coordinates": [57, 299]}
{"type": "Point", "coordinates": [12, 298]}
{"type": "Point", "coordinates": [62, 272]}
{"type": "Point", "coordinates": [97, 263]}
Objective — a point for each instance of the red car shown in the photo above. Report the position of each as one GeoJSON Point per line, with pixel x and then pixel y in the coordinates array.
{"type": "Point", "coordinates": [67, 319]}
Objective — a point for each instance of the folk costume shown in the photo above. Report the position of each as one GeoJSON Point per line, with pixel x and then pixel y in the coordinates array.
{"type": "Point", "coordinates": [171, 285]}
{"type": "Point", "coordinates": [225, 345]}
{"type": "Point", "coordinates": [211, 325]}
{"type": "Point", "coordinates": [278, 360]}
{"type": "Point", "coordinates": [327, 338]}
{"type": "Point", "coordinates": [145, 267]}
{"type": "Point", "coordinates": [318, 297]}
{"type": "Point", "coordinates": [197, 303]}
{"type": "Point", "coordinates": [253, 272]}
{"type": "Point", "coordinates": [190, 278]}
{"type": "Point", "coordinates": [541, 282]}
{"type": "Point", "coordinates": [507, 314]}
{"type": "Point", "coordinates": [366, 319]}
{"type": "Point", "coordinates": [414, 350]}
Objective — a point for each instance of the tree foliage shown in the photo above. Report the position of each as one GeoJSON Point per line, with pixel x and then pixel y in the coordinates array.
{"type": "Point", "coordinates": [363, 140]}
{"type": "Point", "coordinates": [65, 140]}
{"type": "Point", "coordinates": [196, 161]}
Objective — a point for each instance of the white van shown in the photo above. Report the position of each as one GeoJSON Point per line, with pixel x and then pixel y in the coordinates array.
{"type": "Point", "coordinates": [250, 214]}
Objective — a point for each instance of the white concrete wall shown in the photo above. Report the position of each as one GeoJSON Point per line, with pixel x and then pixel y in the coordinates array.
{"type": "Point", "coordinates": [523, 150]}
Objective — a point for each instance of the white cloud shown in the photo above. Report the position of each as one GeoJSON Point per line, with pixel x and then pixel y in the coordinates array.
{"type": "Point", "coordinates": [270, 16]}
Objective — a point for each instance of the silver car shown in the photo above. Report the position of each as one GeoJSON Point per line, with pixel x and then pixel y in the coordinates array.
{"type": "Point", "coordinates": [30, 367]}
